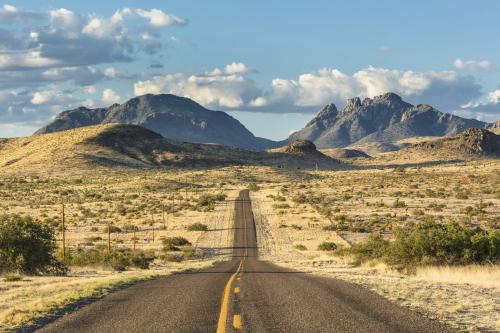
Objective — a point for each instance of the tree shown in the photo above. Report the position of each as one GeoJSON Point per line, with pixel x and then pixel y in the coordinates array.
{"type": "Point", "coordinates": [27, 246]}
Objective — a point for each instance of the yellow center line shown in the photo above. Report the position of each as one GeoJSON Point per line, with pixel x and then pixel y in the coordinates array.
{"type": "Point", "coordinates": [224, 309]}
{"type": "Point", "coordinates": [237, 322]}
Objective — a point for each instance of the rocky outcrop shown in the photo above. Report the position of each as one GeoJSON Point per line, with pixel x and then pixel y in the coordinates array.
{"type": "Point", "coordinates": [472, 142]}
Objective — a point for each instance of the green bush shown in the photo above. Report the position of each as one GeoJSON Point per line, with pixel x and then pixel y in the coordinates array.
{"type": "Point", "coordinates": [12, 278]}
{"type": "Point", "coordinates": [300, 247]}
{"type": "Point", "coordinates": [207, 201]}
{"type": "Point", "coordinates": [431, 243]}
{"type": "Point", "coordinates": [27, 246]}
{"type": "Point", "coordinates": [327, 246]}
{"type": "Point", "coordinates": [197, 227]}
{"type": "Point", "coordinates": [119, 259]}
{"type": "Point", "coordinates": [253, 187]}
{"type": "Point", "coordinates": [173, 243]}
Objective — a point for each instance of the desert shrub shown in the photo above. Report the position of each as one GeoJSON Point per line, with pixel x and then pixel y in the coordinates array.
{"type": "Point", "coordinates": [207, 201]}
{"type": "Point", "coordinates": [197, 227]}
{"type": "Point", "coordinates": [130, 228]}
{"type": "Point", "coordinates": [281, 206]}
{"type": "Point", "coordinates": [119, 259]}
{"type": "Point", "coordinates": [142, 259]}
{"type": "Point", "coordinates": [253, 187]}
{"type": "Point", "coordinates": [173, 243]}
{"type": "Point", "coordinates": [398, 204]}
{"type": "Point", "coordinates": [173, 257]}
{"type": "Point", "coordinates": [300, 247]}
{"type": "Point", "coordinates": [192, 253]}
{"type": "Point", "coordinates": [12, 278]}
{"type": "Point", "coordinates": [27, 246]}
{"type": "Point", "coordinates": [431, 243]}
{"type": "Point", "coordinates": [327, 246]}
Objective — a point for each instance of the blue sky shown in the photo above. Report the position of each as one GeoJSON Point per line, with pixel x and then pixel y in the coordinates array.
{"type": "Point", "coordinates": [271, 64]}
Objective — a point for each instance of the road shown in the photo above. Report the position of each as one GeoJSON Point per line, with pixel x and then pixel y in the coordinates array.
{"type": "Point", "coordinates": [244, 295]}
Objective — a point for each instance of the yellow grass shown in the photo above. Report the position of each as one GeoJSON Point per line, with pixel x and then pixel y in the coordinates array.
{"type": "Point", "coordinates": [34, 297]}
{"type": "Point", "coordinates": [488, 276]}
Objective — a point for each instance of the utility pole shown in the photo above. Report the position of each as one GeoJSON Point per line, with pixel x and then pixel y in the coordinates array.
{"type": "Point", "coordinates": [153, 225]}
{"type": "Point", "coordinates": [134, 239]}
{"type": "Point", "coordinates": [63, 231]}
{"type": "Point", "coordinates": [173, 203]}
{"type": "Point", "coordinates": [163, 216]}
{"type": "Point", "coordinates": [109, 238]}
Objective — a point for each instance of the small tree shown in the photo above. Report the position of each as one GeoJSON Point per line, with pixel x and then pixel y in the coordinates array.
{"type": "Point", "coordinates": [27, 246]}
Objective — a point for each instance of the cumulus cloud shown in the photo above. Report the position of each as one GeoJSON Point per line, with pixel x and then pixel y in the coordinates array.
{"type": "Point", "coordinates": [226, 88]}
{"type": "Point", "coordinates": [487, 109]}
{"type": "Point", "coordinates": [158, 19]}
{"type": "Point", "coordinates": [110, 96]}
{"type": "Point", "coordinates": [231, 88]}
{"type": "Point", "coordinates": [45, 52]}
{"type": "Point", "coordinates": [10, 14]}
{"type": "Point", "coordinates": [472, 64]}
{"type": "Point", "coordinates": [70, 39]}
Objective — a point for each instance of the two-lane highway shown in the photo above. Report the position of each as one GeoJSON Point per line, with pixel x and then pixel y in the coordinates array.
{"type": "Point", "coordinates": [244, 295]}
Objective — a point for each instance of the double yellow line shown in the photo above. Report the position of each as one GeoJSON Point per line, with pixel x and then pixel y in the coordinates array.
{"type": "Point", "coordinates": [224, 309]}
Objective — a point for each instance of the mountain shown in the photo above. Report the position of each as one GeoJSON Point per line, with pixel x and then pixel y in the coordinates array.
{"type": "Point", "coordinates": [470, 143]}
{"type": "Point", "coordinates": [171, 116]}
{"type": "Point", "coordinates": [495, 127]}
{"type": "Point", "coordinates": [383, 119]}
{"type": "Point", "coordinates": [122, 146]}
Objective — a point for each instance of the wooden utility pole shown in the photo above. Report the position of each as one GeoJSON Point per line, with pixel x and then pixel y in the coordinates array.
{"type": "Point", "coordinates": [63, 232]}
{"type": "Point", "coordinates": [134, 239]}
{"type": "Point", "coordinates": [153, 225]}
{"type": "Point", "coordinates": [173, 203]}
{"type": "Point", "coordinates": [109, 237]}
{"type": "Point", "coordinates": [163, 216]}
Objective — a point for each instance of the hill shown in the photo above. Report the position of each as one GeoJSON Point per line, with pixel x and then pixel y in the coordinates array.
{"type": "Point", "coordinates": [471, 143]}
{"type": "Point", "coordinates": [384, 119]}
{"type": "Point", "coordinates": [121, 146]}
{"type": "Point", "coordinates": [173, 117]}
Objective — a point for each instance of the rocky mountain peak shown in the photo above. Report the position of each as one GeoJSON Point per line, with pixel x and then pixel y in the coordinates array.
{"type": "Point", "coordinates": [390, 97]}
{"type": "Point", "coordinates": [327, 111]}
{"type": "Point", "coordinates": [353, 103]}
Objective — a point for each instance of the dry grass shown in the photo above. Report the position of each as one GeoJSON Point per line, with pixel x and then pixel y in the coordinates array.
{"type": "Point", "coordinates": [34, 297]}
{"type": "Point", "coordinates": [487, 276]}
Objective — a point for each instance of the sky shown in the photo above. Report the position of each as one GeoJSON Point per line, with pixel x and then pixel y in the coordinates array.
{"type": "Point", "coordinates": [271, 64]}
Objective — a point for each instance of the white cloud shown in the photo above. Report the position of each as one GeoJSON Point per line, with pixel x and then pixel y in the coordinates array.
{"type": "Point", "coordinates": [110, 96]}
{"type": "Point", "coordinates": [158, 18]}
{"type": "Point", "coordinates": [494, 96]}
{"type": "Point", "coordinates": [51, 97]}
{"type": "Point", "coordinates": [472, 64]}
{"type": "Point", "coordinates": [228, 88]}
{"type": "Point", "coordinates": [236, 68]}
{"type": "Point", "coordinates": [9, 14]}
{"type": "Point", "coordinates": [25, 60]}
{"type": "Point", "coordinates": [110, 72]}
{"type": "Point", "coordinates": [231, 88]}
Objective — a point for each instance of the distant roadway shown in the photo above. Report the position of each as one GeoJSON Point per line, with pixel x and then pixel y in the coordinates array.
{"type": "Point", "coordinates": [244, 295]}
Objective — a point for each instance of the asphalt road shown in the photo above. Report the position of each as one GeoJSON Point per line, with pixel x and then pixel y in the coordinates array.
{"type": "Point", "coordinates": [244, 295]}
